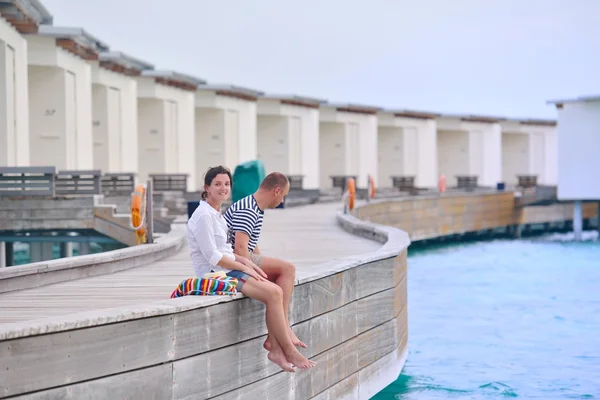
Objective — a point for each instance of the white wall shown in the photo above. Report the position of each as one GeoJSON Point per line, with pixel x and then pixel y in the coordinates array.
{"type": "Point", "coordinates": [420, 150]}
{"type": "Point", "coordinates": [428, 175]}
{"type": "Point", "coordinates": [578, 143]}
{"type": "Point", "coordinates": [391, 154]}
{"type": "Point", "coordinates": [176, 121]}
{"type": "Point", "coordinates": [210, 142]}
{"type": "Point", "coordinates": [453, 154]}
{"type": "Point", "coordinates": [151, 137]}
{"type": "Point", "coordinates": [302, 137]}
{"type": "Point", "coordinates": [60, 102]}
{"type": "Point", "coordinates": [551, 175]}
{"type": "Point", "coordinates": [515, 156]}
{"type": "Point", "coordinates": [273, 143]}
{"type": "Point", "coordinates": [360, 145]}
{"type": "Point", "coordinates": [478, 151]}
{"type": "Point", "coordinates": [100, 127]}
{"type": "Point", "coordinates": [236, 126]}
{"type": "Point", "coordinates": [490, 161]}
{"type": "Point", "coordinates": [14, 97]}
{"type": "Point", "coordinates": [332, 152]}
{"type": "Point", "coordinates": [115, 122]}
{"type": "Point", "coordinates": [537, 155]}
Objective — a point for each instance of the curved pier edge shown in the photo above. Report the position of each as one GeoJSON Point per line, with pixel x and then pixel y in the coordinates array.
{"type": "Point", "coordinates": [351, 312]}
{"type": "Point", "coordinates": [65, 269]}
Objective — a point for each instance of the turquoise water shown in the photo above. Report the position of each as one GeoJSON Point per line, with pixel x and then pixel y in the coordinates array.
{"type": "Point", "coordinates": [503, 319]}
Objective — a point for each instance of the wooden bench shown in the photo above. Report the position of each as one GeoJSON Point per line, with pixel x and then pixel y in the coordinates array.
{"type": "Point", "coordinates": [85, 182]}
{"type": "Point", "coordinates": [403, 183]}
{"type": "Point", "coordinates": [296, 181]}
{"type": "Point", "coordinates": [527, 181]}
{"type": "Point", "coordinates": [339, 181]}
{"type": "Point", "coordinates": [169, 182]}
{"type": "Point", "coordinates": [27, 181]}
{"type": "Point", "coordinates": [468, 182]}
{"type": "Point", "coordinates": [118, 184]}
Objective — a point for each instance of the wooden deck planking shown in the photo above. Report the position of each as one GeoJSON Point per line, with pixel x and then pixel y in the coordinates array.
{"type": "Point", "coordinates": [303, 235]}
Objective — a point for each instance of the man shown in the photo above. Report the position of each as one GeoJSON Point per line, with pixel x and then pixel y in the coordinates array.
{"type": "Point", "coordinates": [244, 220]}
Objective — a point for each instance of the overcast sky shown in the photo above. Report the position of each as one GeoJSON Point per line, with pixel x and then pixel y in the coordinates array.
{"type": "Point", "coordinates": [493, 57]}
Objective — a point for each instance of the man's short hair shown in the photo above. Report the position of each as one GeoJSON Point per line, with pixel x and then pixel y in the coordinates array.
{"type": "Point", "coordinates": [273, 180]}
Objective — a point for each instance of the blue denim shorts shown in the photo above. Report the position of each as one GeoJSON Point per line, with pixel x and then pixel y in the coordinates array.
{"type": "Point", "coordinates": [242, 277]}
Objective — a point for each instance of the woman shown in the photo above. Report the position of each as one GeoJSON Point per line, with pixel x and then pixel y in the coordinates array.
{"type": "Point", "coordinates": [210, 252]}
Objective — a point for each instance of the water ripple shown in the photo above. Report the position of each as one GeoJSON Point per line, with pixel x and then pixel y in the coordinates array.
{"type": "Point", "coordinates": [503, 319]}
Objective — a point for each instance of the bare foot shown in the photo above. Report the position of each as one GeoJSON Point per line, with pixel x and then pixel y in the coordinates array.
{"type": "Point", "coordinates": [299, 360]}
{"type": "Point", "coordinates": [279, 359]}
{"type": "Point", "coordinates": [295, 341]}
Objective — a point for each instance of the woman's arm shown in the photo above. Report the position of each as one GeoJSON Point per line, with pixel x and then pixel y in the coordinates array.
{"type": "Point", "coordinates": [204, 233]}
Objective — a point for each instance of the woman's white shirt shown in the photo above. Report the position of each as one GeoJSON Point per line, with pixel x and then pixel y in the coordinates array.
{"type": "Point", "coordinates": [207, 239]}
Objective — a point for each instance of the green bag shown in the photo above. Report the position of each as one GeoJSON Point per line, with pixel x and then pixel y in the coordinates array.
{"type": "Point", "coordinates": [247, 178]}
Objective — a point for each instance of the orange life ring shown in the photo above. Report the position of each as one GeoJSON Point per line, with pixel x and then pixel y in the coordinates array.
{"type": "Point", "coordinates": [442, 183]}
{"type": "Point", "coordinates": [138, 213]}
{"type": "Point", "coordinates": [351, 193]}
{"type": "Point", "coordinates": [371, 187]}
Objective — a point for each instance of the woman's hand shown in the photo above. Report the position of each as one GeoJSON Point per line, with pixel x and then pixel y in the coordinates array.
{"type": "Point", "coordinates": [258, 270]}
{"type": "Point", "coordinates": [255, 272]}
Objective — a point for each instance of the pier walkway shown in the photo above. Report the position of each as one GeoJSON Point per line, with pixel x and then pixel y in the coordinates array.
{"type": "Point", "coordinates": [305, 236]}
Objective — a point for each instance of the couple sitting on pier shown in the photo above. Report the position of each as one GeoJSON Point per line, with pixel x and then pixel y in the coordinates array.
{"type": "Point", "coordinates": [228, 244]}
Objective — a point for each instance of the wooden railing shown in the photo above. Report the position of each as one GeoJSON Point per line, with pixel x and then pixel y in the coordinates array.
{"type": "Point", "coordinates": [169, 182]}
{"type": "Point", "coordinates": [467, 182]}
{"type": "Point", "coordinates": [403, 182]}
{"type": "Point", "coordinates": [27, 181]}
{"type": "Point", "coordinates": [339, 181]}
{"type": "Point", "coordinates": [77, 182]}
{"type": "Point", "coordinates": [527, 181]}
{"type": "Point", "coordinates": [296, 182]}
{"type": "Point", "coordinates": [118, 184]}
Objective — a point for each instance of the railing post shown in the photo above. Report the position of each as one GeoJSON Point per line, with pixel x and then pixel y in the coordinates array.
{"type": "Point", "coordinates": [3, 263]}
{"type": "Point", "coordinates": [578, 220]}
{"type": "Point", "coordinates": [149, 213]}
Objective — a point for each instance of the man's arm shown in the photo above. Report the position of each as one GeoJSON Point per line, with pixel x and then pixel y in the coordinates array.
{"type": "Point", "coordinates": [241, 244]}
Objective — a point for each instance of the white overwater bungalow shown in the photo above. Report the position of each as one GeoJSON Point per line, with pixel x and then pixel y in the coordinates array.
{"type": "Point", "coordinates": [529, 150]}
{"type": "Point", "coordinates": [407, 145]}
{"type": "Point", "coordinates": [577, 143]}
{"type": "Point", "coordinates": [60, 99]}
{"type": "Point", "coordinates": [469, 146]}
{"type": "Point", "coordinates": [347, 144]}
{"type": "Point", "coordinates": [166, 119]}
{"type": "Point", "coordinates": [16, 19]}
{"type": "Point", "coordinates": [225, 119]}
{"type": "Point", "coordinates": [288, 137]}
{"type": "Point", "coordinates": [115, 111]}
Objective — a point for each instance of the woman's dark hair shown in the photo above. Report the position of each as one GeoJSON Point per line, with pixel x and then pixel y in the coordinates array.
{"type": "Point", "coordinates": [211, 174]}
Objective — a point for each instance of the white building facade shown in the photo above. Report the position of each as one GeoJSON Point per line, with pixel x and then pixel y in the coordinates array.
{"type": "Point", "coordinates": [407, 147]}
{"type": "Point", "coordinates": [15, 21]}
{"type": "Point", "coordinates": [288, 137]}
{"type": "Point", "coordinates": [166, 124]}
{"type": "Point", "coordinates": [114, 111]}
{"type": "Point", "coordinates": [225, 123]}
{"type": "Point", "coordinates": [469, 146]}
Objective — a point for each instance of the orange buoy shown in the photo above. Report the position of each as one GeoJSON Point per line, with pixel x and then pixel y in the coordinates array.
{"type": "Point", "coordinates": [371, 187]}
{"type": "Point", "coordinates": [351, 193]}
{"type": "Point", "coordinates": [138, 213]}
{"type": "Point", "coordinates": [442, 183]}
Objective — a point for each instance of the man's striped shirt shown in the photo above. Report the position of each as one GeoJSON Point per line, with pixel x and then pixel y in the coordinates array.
{"type": "Point", "coordinates": [245, 216]}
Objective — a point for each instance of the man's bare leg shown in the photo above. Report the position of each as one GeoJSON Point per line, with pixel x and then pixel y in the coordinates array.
{"type": "Point", "coordinates": [272, 296]}
{"type": "Point", "coordinates": [283, 274]}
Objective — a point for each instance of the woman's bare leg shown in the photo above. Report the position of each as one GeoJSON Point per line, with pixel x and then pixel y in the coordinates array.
{"type": "Point", "coordinates": [272, 296]}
